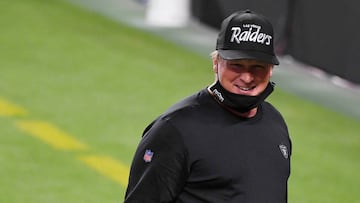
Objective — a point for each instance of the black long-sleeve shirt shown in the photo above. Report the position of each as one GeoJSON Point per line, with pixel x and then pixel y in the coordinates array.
{"type": "Point", "coordinates": [199, 152]}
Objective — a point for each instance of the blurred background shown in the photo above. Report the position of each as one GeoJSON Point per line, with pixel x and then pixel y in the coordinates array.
{"type": "Point", "coordinates": [81, 79]}
{"type": "Point", "coordinates": [319, 43]}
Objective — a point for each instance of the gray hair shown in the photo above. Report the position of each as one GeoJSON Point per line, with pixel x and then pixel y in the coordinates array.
{"type": "Point", "coordinates": [214, 54]}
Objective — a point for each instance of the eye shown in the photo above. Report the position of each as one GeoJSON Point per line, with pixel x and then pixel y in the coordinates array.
{"type": "Point", "coordinates": [235, 66]}
{"type": "Point", "coordinates": [259, 67]}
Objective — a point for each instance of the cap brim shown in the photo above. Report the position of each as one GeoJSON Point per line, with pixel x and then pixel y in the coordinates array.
{"type": "Point", "coordinates": [241, 54]}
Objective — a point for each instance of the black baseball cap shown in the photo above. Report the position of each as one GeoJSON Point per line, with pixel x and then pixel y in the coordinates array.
{"type": "Point", "coordinates": [246, 35]}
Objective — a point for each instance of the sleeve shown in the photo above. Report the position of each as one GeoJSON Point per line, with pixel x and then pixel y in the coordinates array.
{"type": "Point", "coordinates": [159, 168]}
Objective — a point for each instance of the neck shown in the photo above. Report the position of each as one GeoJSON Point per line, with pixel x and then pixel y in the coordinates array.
{"type": "Point", "coordinates": [249, 114]}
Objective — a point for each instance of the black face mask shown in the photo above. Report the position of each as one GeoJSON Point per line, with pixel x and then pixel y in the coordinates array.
{"type": "Point", "coordinates": [238, 102]}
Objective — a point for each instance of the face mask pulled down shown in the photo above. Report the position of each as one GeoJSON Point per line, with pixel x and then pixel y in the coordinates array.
{"type": "Point", "coordinates": [238, 102]}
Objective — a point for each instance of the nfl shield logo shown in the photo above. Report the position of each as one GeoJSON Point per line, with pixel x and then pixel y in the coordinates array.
{"type": "Point", "coordinates": [148, 155]}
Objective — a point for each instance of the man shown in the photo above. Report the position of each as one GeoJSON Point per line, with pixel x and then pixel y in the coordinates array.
{"type": "Point", "coordinates": [224, 143]}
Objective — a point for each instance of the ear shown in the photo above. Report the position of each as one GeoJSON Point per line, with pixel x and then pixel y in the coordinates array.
{"type": "Point", "coordinates": [271, 70]}
{"type": "Point", "coordinates": [215, 64]}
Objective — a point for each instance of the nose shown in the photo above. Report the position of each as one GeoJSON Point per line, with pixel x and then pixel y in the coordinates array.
{"type": "Point", "coordinates": [246, 77]}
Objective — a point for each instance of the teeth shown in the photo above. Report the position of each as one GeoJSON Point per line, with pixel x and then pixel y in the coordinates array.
{"type": "Point", "coordinates": [246, 88]}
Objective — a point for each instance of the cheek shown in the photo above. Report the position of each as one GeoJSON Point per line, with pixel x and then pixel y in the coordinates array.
{"type": "Point", "coordinates": [263, 75]}
{"type": "Point", "coordinates": [220, 71]}
{"type": "Point", "coordinates": [227, 77]}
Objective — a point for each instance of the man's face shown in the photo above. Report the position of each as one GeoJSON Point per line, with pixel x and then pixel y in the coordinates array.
{"type": "Point", "coordinates": [246, 77]}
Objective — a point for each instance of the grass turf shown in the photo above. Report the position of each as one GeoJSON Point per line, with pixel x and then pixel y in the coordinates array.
{"type": "Point", "coordinates": [102, 82]}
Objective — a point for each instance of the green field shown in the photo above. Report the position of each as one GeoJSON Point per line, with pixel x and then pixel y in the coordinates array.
{"type": "Point", "coordinates": [102, 82]}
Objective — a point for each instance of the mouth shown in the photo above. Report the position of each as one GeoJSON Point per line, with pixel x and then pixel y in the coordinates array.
{"type": "Point", "coordinates": [245, 90]}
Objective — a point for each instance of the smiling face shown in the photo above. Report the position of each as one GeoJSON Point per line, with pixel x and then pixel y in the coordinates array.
{"type": "Point", "coordinates": [244, 76]}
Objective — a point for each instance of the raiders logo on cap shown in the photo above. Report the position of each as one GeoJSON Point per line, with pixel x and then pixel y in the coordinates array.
{"type": "Point", "coordinates": [247, 35]}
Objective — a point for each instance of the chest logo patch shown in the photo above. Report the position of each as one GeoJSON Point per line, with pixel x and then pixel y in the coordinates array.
{"type": "Point", "coordinates": [148, 155]}
{"type": "Point", "coordinates": [284, 151]}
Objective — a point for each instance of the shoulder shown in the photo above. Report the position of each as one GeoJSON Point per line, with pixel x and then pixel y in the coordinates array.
{"type": "Point", "coordinates": [190, 107]}
{"type": "Point", "coordinates": [187, 112]}
{"type": "Point", "coordinates": [190, 102]}
{"type": "Point", "coordinates": [272, 112]}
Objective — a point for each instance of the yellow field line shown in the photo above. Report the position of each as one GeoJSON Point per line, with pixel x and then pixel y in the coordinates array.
{"type": "Point", "coordinates": [51, 135]}
{"type": "Point", "coordinates": [8, 109]}
{"type": "Point", "coordinates": [108, 167]}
